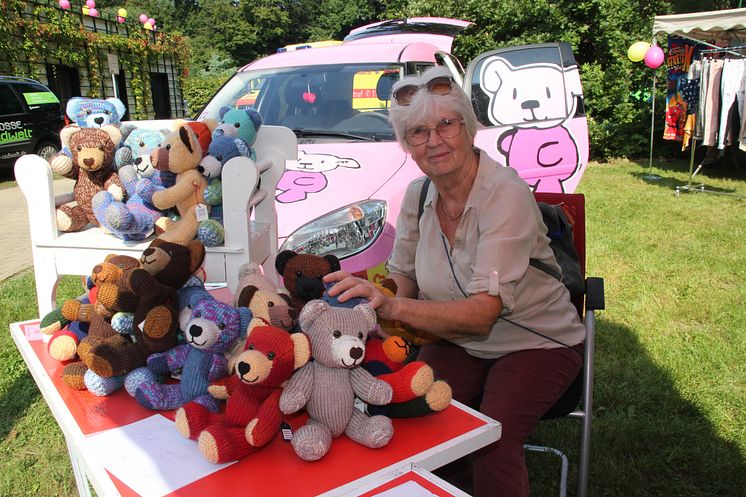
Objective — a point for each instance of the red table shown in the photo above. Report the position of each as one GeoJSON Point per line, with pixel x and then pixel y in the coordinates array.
{"type": "Point", "coordinates": [275, 471]}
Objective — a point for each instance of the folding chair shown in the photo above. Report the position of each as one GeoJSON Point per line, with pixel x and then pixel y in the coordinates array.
{"type": "Point", "coordinates": [577, 401]}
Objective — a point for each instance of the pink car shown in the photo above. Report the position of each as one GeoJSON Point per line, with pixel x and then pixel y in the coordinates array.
{"type": "Point", "coordinates": [343, 195]}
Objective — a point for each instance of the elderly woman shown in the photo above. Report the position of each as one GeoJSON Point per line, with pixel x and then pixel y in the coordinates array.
{"type": "Point", "coordinates": [511, 338]}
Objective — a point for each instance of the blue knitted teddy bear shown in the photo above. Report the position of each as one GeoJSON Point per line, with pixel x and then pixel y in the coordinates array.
{"type": "Point", "coordinates": [222, 149]}
{"type": "Point", "coordinates": [137, 218]}
{"type": "Point", "coordinates": [212, 330]}
{"type": "Point", "coordinates": [243, 124]}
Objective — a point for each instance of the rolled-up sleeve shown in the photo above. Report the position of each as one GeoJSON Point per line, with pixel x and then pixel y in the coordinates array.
{"type": "Point", "coordinates": [507, 234]}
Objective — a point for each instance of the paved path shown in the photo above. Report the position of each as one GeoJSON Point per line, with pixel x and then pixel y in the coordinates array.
{"type": "Point", "coordinates": [15, 244]}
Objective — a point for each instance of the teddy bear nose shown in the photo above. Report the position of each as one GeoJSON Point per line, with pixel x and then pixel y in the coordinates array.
{"type": "Point", "coordinates": [88, 162]}
{"type": "Point", "coordinates": [356, 352]}
{"type": "Point", "coordinates": [243, 368]}
{"type": "Point", "coordinates": [195, 330]}
{"type": "Point", "coordinates": [98, 120]}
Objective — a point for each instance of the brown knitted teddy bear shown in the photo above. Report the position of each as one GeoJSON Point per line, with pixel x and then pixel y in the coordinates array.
{"type": "Point", "coordinates": [302, 273]}
{"type": "Point", "coordinates": [181, 154]}
{"type": "Point", "coordinates": [263, 298]}
{"type": "Point", "coordinates": [92, 168]}
{"type": "Point", "coordinates": [164, 268]}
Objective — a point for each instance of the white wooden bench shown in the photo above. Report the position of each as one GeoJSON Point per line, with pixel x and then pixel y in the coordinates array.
{"type": "Point", "coordinates": [248, 236]}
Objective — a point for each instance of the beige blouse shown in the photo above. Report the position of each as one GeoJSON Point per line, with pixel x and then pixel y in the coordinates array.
{"type": "Point", "coordinates": [500, 229]}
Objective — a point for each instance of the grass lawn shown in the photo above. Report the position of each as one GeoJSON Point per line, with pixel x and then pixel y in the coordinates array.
{"type": "Point", "coordinates": [670, 391]}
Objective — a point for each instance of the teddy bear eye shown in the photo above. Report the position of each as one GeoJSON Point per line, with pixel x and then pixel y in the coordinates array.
{"type": "Point", "coordinates": [197, 314]}
{"type": "Point", "coordinates": [101, 146]}
{"type": "Point", "coordinates": [271, 356]}
{"type": "Point", "coordinates": [250, 347]}
{"type": "Point", "coordinates": [121, 265]}
{"type": "Point", "coordinates": [220, 158]}
{"type": "Point", "coordinates": [172, 253]}
{"type": "Point", "coordinates": [79, 148]}
{"type": "Point", "coordinates": [168, 147]}
{"type": "Point", "coordinates": [88, 112]}
{"type": "Point", "coordinates": [270, 304]}
{"type": "Point", "coordinates": [298, 274]}
{"type": "Point", "coordinates": [221, 326]}
{"type": "Point", "coordinates": [360, 335]}
{"type": "Point", "coordinates": [336, 333]}
{"type": "Point", "coordinates": [238, 125]}
{"type": "Point", "coordinates": [142, 144]}
{"type": "Point", "coordinates": [107, 112]}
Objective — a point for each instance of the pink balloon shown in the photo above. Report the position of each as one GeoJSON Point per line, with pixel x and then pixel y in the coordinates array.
{"type": "Point", "coordinates": [64, 4]}
{"type": "Point", "coordinates": [654, 57]}
{"type": "Point", "coordinates": [93, 12]}
{"type": "Point", "coordinates": [151, 21]}
{"type": "Point", "coordinates": [143, 18]}
{"type": "Point", "coordinates": [90, 4]}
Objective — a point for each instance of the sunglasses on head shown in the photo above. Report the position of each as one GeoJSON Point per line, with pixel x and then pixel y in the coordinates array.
{"type": "Point", "coordinates": [439, 85]}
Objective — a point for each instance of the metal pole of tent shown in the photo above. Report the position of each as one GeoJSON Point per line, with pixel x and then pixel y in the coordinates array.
{"type": "Point", "coordinates": [650, 175]}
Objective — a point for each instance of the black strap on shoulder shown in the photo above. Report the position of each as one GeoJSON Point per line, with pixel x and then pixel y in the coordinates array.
{"type": "Point", "coordinates": [423, 196]}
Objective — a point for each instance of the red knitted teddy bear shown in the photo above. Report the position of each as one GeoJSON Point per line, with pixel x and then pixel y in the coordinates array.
{"type": "Point", "coordinates": [252, 415]}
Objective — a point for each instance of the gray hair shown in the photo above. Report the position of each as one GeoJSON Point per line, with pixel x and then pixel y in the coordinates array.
{"type": "Point", "coordinates": [424, 105]}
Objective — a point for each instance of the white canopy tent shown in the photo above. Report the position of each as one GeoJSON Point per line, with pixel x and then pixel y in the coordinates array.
{"type": "Point", "coordinates": [716, 29]}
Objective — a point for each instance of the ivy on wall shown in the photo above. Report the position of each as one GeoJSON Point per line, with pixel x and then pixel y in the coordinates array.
{"type": "Point", "coordinates": [47, 32]}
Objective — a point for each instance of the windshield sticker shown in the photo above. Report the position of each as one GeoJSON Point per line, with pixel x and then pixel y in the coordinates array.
{"type": "Point", "coordinates": [14, 132]}
{"type": "Point", "coordinates": [41, 97]}
{"type": "Point", "coordinates": [533, 95]}
{"type": "Point", "coordinates": [307, 175]}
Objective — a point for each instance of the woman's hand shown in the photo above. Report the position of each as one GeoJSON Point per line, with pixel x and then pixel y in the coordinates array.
{"type": "Point", "coordinates": [347, 286]}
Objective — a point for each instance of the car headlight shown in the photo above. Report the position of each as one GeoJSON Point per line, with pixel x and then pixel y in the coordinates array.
{"type": "Point", "coordinates": [343, 233]}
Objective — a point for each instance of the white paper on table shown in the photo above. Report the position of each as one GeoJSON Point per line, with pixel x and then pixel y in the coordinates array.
{"type": "Point", "coordinates": [407, 489]}
{"type": "Point", "coordinates": [149, 456]}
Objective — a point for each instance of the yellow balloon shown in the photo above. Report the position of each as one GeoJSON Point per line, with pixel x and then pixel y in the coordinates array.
{"type": "Point", "coordinates": [122, 13]}
{"type": "Point", "coordinates": [148, 26]}
{"type": "Point", "coordinates": [637, 51]}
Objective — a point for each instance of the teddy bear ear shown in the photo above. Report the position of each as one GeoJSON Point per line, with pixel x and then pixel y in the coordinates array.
{"type": "Point", "coordinates": [67, 132]}
{"type": "Point", "coordinates": [244, 298]}
{"type": "Point", "coordinates": [301, 349]}
{"type": "Point", "coordinates": [311, 311]}
{"type": "Point", "coordinates": [223, 111]}
{"type": "Point", "coordinates": [197, 251]}
{"type": "Point", "coordinates": [368, 313]}
{"type": "Point", "coordinates": [114, 133]}
{"type": "Point", "coordinates": [333, 262]}
{"type": "Point", "coordinates": [282, 260]}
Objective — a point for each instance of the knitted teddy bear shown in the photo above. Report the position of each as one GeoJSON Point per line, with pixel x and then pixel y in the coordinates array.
{"type": "Point", "coordinates": [327, 386]}
{"type": "Point", "coordinates": [222, 149]}
{"type": "Point", "coordinates": [243, 124]}
{"type": "Point", "coordinates": [95, 314]}
{"type": "Point", "coordinates": [95, 112]}
{"type": "Point", "coordinates": [212, 330]}
{"type": "Point", "coordinates": [91, 166]}
{"type": "Point", "coordinates": [302, 273]}
{"type": "Point", "coordinates": [183, 150]}
{"type": "Point", "coordinates": [262, 297]}
{"type": "Point", "coordinates": [252, 413]}
{"type": "Point", "coordinates": [164, 268]}
{"type": "Point", "coordinates": [135, 219]}
{"type": "Point", "coordinates": [392, 359]}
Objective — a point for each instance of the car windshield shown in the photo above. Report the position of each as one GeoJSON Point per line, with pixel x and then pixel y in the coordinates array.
{"type": "Point", "coordinates": [324, 102]}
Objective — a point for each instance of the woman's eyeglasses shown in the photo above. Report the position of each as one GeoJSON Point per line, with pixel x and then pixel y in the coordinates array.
{"type": "Point", "coordinates": [447, 128]}
{"type": "Point", "coordinates": [441, 85]}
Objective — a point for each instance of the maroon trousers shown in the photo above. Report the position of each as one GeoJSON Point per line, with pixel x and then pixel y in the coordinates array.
{"type": "Point", "coordinates": [516, 390]}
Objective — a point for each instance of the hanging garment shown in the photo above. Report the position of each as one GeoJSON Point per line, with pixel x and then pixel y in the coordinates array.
{"type": "Point", "coordinates": [699, 126]}
{"type": "Point", "coordinates": [712, 103]}
{"type": "Point", "coordinates": [731, 90]}
{"type": "Point", "coordinates": [688, 130]}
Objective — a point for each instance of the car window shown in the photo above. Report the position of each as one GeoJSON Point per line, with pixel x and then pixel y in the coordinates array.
{"type": "Point", "coordinates": [9, 103]}
{"type": "Point", "coordinates": [335, 99]}
{"type": "Point", "coordinates": [37, 96]}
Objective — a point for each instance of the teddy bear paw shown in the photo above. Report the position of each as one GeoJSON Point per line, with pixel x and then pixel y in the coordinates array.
{"type": "Point", "coordinates": [378, 432]}
{"type": "Point", "coordinates": [73, 375]}
{"type": "Point", "coordinates": [208, 447]}
{"type": "Point", "coordinates": [61, 164]}
{"type": "Point", "coordinates": [312, 442]}
{"type": "Point", "coordinates": [158, 323]}
{"type": "Point", "coordinates": [63, 346]}
{"type": "Point", "coordinates": [439, 396]}
{"type": "Point", "coordinates": [100, 386]}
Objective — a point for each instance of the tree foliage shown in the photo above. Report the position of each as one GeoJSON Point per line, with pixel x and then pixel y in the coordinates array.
{"type": "Point", "coordinates": [600, 31]}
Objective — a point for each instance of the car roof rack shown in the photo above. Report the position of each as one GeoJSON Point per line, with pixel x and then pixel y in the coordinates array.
{"type": "Point", "coordinates": [19, 79]}
{"type": "Point", "coordinates": [403, 25]}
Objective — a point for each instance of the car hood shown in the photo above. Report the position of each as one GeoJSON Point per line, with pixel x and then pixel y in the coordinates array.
{"type": "Point", "coordinates": [332, 174]}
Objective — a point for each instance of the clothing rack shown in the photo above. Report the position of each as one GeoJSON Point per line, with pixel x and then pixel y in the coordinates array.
{"type": "Point", "coordinates": [739, 51]}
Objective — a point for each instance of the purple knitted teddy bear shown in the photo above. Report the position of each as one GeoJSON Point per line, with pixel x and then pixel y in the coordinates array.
{"type": "Point", "coordinates": [212, 330]}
